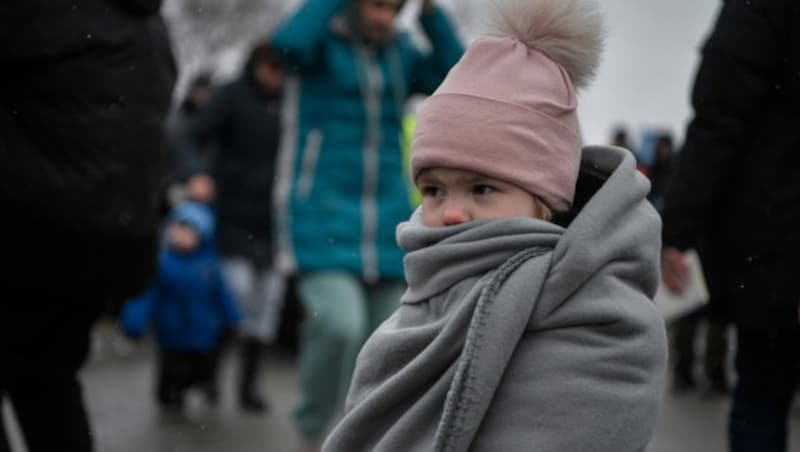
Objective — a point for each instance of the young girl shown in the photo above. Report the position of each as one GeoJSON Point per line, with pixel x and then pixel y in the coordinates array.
{"type": "Point", "coordinates": [528, 322]}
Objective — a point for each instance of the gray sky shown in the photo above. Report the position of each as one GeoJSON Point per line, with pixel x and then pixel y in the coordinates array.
{"type": "Point", "coordinates": [648, 66]}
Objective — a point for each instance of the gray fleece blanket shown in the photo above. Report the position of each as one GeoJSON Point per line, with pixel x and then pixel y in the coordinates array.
{"type": "Point", "coordinates": [520, 335]}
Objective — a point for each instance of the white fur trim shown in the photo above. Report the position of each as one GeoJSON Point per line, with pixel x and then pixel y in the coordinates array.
{"type": "Point", "coordinates": [570, 32]}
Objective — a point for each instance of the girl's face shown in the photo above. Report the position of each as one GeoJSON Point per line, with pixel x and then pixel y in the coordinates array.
{"type": "Point", "coordinates": [452, 196]}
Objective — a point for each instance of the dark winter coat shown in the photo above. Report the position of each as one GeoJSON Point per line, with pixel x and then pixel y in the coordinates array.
{"type": "Point", "coordinates": [86, 86]}
{"type": "Point", "coordinates": [189, 303]}
{"type": "Point", "coordinates": [736, 192]}
{"type": "Point", "coordinates": [244, 120]}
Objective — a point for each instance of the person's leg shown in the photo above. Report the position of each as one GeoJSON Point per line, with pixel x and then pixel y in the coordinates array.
{"type": "Point", "coordinates": [271, 291]}
{"type": "Point", "coordinates": [683, 334]}
{"type": "Point", "coordinates": [48, 426]}
{"type": "Point", "coordinates": [250, 357]}
{"type": "Point", "coordinates": [333, 332]}
{"type": "Point", "coordinates": [187, 374]}
{"type": "Point", "coordinates": [767, 367]}
{"type": "Point", "coordinates": [200, 373]}
{"type": "Point", "coordinates": [242, 277]}
{"type": "Point", "coordinates": [5, 445]}
{"type": "Point", "coordinates": [171, 381]}
{"type": "Point", "coordinates": [209, 384]}
{"type": "Point", "coordinates": [163, 391]}
{"type": "Point", "coordinates": [716, 358]}
{"type": "Point", "coordinates": [384, 299]}
{"type": "Point", "coordinates": [41, 379]}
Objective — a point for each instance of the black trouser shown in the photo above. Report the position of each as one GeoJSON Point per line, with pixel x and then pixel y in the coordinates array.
{"type": "Point", "coordinates": [251, 351]}
{"type": "Point", "coordinates": [767, 367]}
{"type": "Point", "coordinates": [5, 446]}
{"type": "Point", "coordinates": [42, 348]}
{"type": "Point", "coordinates": [178, 371]}
{"type": "Point", "coordinates": [716, 345]}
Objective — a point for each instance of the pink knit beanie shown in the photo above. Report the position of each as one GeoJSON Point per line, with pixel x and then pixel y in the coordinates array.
{"type": "Point", "coordinates": [508, 108]}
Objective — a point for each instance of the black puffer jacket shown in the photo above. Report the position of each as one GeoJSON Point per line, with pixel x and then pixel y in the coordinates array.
{"type": "Point", "coordinates": [244, 120]}
{"type": "Point", "coordinates": [736, 192]}
{"type": "Point", "coordinates": [87, 84]}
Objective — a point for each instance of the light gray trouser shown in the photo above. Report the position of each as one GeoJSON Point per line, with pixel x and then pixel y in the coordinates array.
{"type": "Point", "coordinates": [341, 312]}
{"type": "Point", "coordinates": [261, 293]}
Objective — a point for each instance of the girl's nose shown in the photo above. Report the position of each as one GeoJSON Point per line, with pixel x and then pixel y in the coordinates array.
{"type": "Point", "coordinates": [455, 213]}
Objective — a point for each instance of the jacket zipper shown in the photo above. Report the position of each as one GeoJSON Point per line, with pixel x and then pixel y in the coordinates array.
{"type": "Point", "coordinates": [373, 91]}
{"type": "Point", "coordinates": [309, 169]}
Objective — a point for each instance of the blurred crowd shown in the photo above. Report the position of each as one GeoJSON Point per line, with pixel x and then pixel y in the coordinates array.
{"type": "Point", "coordinates": [206, 220]}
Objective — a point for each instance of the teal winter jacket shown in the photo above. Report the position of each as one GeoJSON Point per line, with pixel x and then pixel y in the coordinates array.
{"type": "Point", "coordinates": [342, 189]}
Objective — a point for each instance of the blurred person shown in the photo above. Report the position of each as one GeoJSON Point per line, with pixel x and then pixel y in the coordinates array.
{"type": "Point", "coordinates": [243, 121]}
{"type": "Point", "coordinates": [513, 335]}
{"type": "Point", "coordinates": [190, 306]}
{"type": "Point", "coordinates": [620, 138]}
{"type": "Point", "coordinates": [189, 159]}
{"type": "Point", "coordinates": [86, 88]}
{"type": "Point", "coordinates": [660, 171]}
{"type": "Point", "coordinates": [684, 330]}
{"type": "Point", "coordinates": [735, 198]}
{"type": "Point", "coordinates": [344, 189]}
{"type": "Point", "coordinates": [186, 161]}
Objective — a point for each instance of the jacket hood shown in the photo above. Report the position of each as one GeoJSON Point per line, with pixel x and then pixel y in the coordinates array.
{"type": "Point", "coordinates": [610, 221]}
{"type": "Point", "coordinates": [199, 217]}
{"type": "Point", "coordinates": [249, 70]}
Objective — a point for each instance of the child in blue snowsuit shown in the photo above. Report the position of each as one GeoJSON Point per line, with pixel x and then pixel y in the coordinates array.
{"type": "Point", "coordinates": [189, 305]}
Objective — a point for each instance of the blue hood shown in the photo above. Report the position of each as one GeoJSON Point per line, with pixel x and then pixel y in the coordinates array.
{"type": "Point", "coordinates": [198, 216]}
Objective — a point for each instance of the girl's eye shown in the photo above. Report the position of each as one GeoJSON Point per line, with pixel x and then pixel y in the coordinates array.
{"type": "Point", "coordinates": [431, 191]}
{"type": "Point", "coordinates": [482, 189]}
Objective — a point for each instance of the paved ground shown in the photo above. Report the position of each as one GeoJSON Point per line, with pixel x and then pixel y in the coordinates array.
{"type": "Point", "coordinates": [118, 384]}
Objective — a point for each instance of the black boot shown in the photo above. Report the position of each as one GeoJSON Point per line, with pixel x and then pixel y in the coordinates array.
{"type": "Point", "coordinates": [251, 356]}
{"type": "Point", "coordinates": [170, 387]}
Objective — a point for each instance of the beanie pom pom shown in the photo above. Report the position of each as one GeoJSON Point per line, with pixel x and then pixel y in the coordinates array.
{"type": "Point", "coordinates": [569, 32]}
